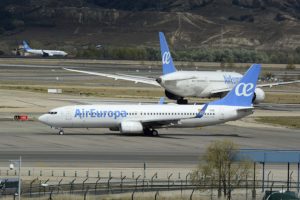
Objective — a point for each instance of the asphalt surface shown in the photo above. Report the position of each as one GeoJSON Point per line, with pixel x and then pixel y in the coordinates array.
{"type": "Point", "coordinates": [40, 145]}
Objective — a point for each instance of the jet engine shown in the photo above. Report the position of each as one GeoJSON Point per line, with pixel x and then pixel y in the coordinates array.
{"type": "Point", "coordinates": [259, 96]}
{"type": "Point", "coordinates": [131, 127]}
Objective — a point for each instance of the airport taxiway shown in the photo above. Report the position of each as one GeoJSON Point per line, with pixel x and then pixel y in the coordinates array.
{"type": "Point", "coordinates": [41, 146]}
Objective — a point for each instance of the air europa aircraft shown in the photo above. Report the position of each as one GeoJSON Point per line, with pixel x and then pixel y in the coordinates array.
{"type": "Point", "coordinates": [180, 84]}
{"type": "Point", "coordinates": [147, 118]}
{"type": "Point", "coordinates": [42, 52]}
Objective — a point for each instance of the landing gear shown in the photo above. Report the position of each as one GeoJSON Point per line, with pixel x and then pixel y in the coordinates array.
{"type": "Point", "coordinates": [182, 101]}
{"type": "Point", "coordinates": [150, 132]}
{"type": "Point", "coordinates": [154, 133]}
{"type": "Point", "coordinates": [61, 132]}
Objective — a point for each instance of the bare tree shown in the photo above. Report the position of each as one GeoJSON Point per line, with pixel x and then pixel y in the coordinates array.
{"type": "Point", "coordinates": [218, 164]}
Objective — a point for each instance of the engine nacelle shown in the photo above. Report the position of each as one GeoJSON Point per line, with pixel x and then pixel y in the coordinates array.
{"type": "Point", "coordinates": [259, 96]}
{"type": "Point", "coordinates": [131, 127]}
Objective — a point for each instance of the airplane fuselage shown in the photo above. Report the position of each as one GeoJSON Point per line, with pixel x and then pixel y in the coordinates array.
{"type": "Point", "coordinates": [153, 116]}
{"type": "Point", "coordinates": [47, 52]}
{"type": "Point", "coordinates": [197, 83]}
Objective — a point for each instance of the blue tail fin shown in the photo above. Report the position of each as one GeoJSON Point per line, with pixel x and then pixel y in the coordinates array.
{"type": "Point", "coordinates": [26, 46]}
{"type": "Point", "coordinates": [242, 93]}
{"type": "Point", "coordinates": [167, 61]}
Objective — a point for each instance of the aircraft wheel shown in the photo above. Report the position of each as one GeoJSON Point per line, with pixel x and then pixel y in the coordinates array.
{"type": "Point", "coordinates": [61, 132]}
{"type": "Point", "coordinates": [154, 133]}
{"type": "Point", "coordinates": [182, 101]}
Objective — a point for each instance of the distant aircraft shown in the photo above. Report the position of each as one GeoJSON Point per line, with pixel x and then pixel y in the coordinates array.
{"type": "Point", "coordinates": [42, 52]}
{"type": "Point", "coordinates": [180, 84]}
{"type": "Point", "coordinates": [147, 118]}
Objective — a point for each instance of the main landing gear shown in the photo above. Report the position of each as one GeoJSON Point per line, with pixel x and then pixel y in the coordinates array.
{"type": "Point", "coordinates": [61, 132]}
{"type": "Point", "coordinates": [151, 132]}
{"type": "Point", "coordinates": [182, 101]}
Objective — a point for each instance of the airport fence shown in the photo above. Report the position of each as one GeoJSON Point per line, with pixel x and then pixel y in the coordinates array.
{"type": "Point", "coordinates": [207, 188]}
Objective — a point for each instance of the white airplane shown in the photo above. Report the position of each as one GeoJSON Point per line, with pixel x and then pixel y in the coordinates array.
{"type": "Point", "coordinates": [180, 84]}
{"type": "Point", "coordinates": [44, 53]}
{"type": "Point", "coordinates": [147, 118]}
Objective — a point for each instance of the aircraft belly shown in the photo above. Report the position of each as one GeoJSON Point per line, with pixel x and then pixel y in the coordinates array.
{"type": "Point", "coordinates": [188, 123]}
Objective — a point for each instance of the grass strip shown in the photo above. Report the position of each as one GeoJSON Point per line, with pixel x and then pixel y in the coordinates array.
{"type": "Point", "coordinates": [291, 122]}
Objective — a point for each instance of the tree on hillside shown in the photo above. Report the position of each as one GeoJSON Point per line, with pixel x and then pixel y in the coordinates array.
{"type": "Point", "coordinates": [218, 164]}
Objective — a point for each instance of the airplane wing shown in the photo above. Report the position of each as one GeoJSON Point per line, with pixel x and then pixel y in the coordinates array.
{"type": "Point", "coordinates": [136, 79]}
{"type": "Point", "coordinates": [258, 85]}
{"type": "Point", "coordinates": [279, 83]}
{"type": "Point", "coordinates": [160, 123]}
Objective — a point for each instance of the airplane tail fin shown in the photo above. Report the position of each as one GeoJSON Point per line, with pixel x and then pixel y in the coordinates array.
{"type": "Point", "coordinates": [26, 46]}
{"type": "Point", "coordinates": [243, 92]}
{"type": "Point", "coordinates": [167, 61]}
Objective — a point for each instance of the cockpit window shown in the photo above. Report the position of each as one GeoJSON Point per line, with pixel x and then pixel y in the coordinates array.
{"type": "Point", "coordinates": [52, 113]}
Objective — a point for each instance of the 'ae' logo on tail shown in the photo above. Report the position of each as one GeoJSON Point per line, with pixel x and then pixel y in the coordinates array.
{"type": "Point", "coordinates": [166, 57]}
{"type": "Point", "coordinates": [244, 89]}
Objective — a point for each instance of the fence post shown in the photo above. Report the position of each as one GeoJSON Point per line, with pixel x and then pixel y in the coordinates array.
{"type": "Point", "coordinates": [122, 178]}
{"type": "Point", "coordinates": [155, 175]}
{"type": "Point", "coordinates": [44, 186]}
{"type": "Point", "coordinates": [254, 181]}
{"type": "Point", "coordinates": [108, 184]}
{"type": "Point", "coordinates": [181, 188]}
{"type": "Point", "coordinates": [30, 188]}
{"type": "Point", "coordinates": [50, 196]}
{"type": "Point", "coordinates": [85, 193]}
{"type": "Point", "coordinates": [136, 180]}
{"type": "Point", "coordinates": [156, 195]}
{"type": "Point", "coordinates": [186, 177]}
{"type": "Point", "coordinates": [169, 180]}
{"type": "Point", "coordinates": [84, 183]}
{"type": "Point", "coordinates": [132, 195]}
{"type": "Point", "coordinates": [71, 185]}
{"type": "Point", "coordinates": [40, 185]}
{"type": "Point", "coordinates": [58, 188]}
{"type": "Point", "coordinates": [96, 185]}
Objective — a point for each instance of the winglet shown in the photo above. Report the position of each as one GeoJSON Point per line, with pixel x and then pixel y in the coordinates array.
{"type": "Point", "coordinates": [242, 93]}
{"type": "Point", "coordinates": [25, 45]}
{"type": "Point", "coordinates": [167, 61]}
{"type": "Point", "coordinates": [161, 100]}
{"type": "Point", "coordinates": [202, 111]}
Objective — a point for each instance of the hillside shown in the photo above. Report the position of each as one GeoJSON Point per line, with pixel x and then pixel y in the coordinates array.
{"type": "Point", "coordinates": [188, 24]}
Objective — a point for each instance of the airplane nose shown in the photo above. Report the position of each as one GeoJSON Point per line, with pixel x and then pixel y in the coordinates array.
{"type": "Point", "coordinates": [43, 119]}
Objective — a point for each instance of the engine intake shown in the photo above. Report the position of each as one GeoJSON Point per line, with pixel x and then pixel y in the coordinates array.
{"type": "Point", "coordinates": [259, 96]}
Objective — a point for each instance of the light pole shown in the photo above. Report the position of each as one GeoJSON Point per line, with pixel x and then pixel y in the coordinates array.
{"type": "Point", "coordinates": [18, 163]}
